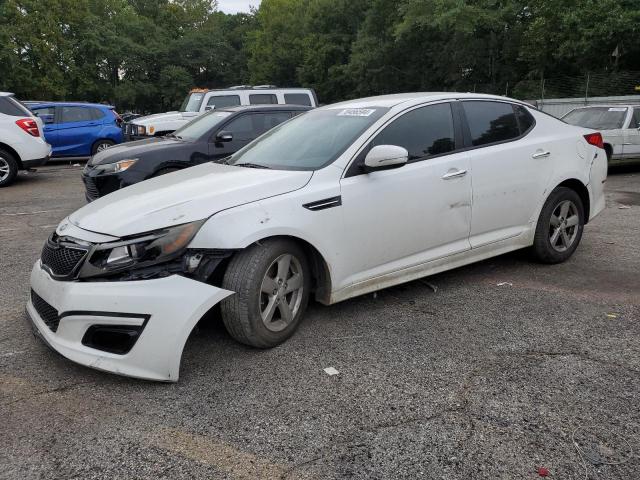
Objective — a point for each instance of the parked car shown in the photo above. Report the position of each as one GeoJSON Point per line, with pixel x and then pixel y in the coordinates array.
{"type": "Point", "coordinates": [79, 129]}
{"type": "Point", "coordinates": [341, 201]}
{"type": "Point", "coordinates": [619, 125]}
{"type": "Point", "coordinates": [21, 144]}
{"type": "Point", "coordinates": [210, 137]}
{"type": "Point", "coordinates": [200, 101]}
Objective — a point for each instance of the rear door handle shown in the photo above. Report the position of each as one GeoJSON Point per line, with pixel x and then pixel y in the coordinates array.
{"type": "Point", "coordinates": [454, 174]}
{"type": "Point", "coordinates": [541, 154]}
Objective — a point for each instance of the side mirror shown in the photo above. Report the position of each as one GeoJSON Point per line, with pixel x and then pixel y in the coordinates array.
{"type": "Point", "coordinates": [386, 156]}
{"type": "Point", "coordinates": [224, 136]}
{"type": "Point", "coordinates": [208, 108]}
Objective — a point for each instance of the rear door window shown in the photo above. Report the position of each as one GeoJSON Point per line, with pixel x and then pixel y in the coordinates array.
{"type": "Point", "coordinates": [297, 99]}
{"type": "Point", "coordinates": [525, 119]}
{"type": "Point", "coordinates": [490, 122]}
{"type": "Point", "coordinates": [424, 132]}
{"type": "Point", "coordinates": [263, 99]}
{"type": "Point", "coordinates": [223, 101]}
{"type": "Point", "coordinates": [76, 114]}
{"type": "Point", "coordinates": [635, 119]}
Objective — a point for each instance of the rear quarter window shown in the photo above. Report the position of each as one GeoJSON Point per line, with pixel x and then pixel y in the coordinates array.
{"type": "Point", "coordinates": [10, 106]}
{"type": "Point", "coordinates": [525, 119]}
{"type": "Point", "coordinates": [297, 99]}
{"type": "Point", "coordinates": [96, 113]}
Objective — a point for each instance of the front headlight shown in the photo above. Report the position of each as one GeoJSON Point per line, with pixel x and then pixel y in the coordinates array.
{"type": "Point", "coordinates": [117, 167]}
{"type": "Point", "coordinates": [141, 130]}
{"type": "Point", "coordinates": [153, 248]}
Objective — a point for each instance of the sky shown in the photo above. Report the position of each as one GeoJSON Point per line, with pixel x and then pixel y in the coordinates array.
{"type": "Point", "coordinates": [235, 6]}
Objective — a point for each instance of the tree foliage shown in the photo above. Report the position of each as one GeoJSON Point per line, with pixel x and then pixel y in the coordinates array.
{"type": "Point", "coordinates": [146, 54]}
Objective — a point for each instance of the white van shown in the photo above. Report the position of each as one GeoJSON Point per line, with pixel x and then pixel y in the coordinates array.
{"type": "Point", "coordinates": [199, 101]}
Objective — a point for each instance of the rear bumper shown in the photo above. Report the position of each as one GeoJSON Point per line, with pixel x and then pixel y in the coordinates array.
{"type": "Point", "coordinates": [165, 310]}
{"type": "Point", "coordinates": [36, 162]}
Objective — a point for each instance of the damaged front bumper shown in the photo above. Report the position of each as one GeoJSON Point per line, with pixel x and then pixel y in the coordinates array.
{"type": "Point", "coordinates": [132, 328]}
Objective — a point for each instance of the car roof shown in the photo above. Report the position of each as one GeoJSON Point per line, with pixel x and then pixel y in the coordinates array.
{"type": "Point", "coordinates": [35, 103]}
{"type": "Point", "coordinates": [258, 108]}
{"type": "Point", "coordinates": [393, 100]}
{"type": "Point", "coordinates": [6, 94]}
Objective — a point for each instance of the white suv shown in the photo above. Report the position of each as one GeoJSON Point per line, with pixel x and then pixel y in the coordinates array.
{"type": "Point", "coordinates": [21, 142]}
{"type": "Point", "coordinates": [200, 101]}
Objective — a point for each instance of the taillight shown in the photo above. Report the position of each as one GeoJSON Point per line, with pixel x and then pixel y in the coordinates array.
{"type": "Point", "coordinates": [29, 125]}
{"type": "Point", "coordinates": [118, 118]}
{"type": "Point", "coordinates": [595, 139]}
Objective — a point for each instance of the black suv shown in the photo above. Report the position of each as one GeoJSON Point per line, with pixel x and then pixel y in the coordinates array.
{"type": "Point", "coordinates": [210, 137]}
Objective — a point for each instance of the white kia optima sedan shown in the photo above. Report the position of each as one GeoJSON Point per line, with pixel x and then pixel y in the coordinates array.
{"type": "Point", "coordinates": [340, 201]}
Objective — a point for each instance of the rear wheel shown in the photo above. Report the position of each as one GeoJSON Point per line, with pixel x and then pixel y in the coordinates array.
{"type": "Point", "coordinates": [101, 145]}
{"type": "Point", "coordinates": [560, 226]}
{"type": "Point", "coordinates": [271, 281]}
{"type": "Point", "coordinates": [8, 168]}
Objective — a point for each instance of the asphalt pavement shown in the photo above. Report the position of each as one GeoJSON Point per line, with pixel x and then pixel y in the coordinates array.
{"type": "Point", "coordinates": [508, 368]}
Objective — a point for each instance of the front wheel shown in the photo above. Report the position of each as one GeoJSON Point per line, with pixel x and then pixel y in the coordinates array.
{"type": "Point", "coordinates": [101, 145]}
{"type": "Point", "coordinates": [560, 226]}
{"type": "Point", "coordinates": [271, 281]}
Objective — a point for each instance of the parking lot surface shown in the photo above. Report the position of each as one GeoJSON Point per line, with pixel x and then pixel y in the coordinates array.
{"type": "Point", "coordinates": [494, 370]}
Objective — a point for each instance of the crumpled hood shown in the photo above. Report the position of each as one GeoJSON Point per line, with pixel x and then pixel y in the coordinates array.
{"type": "Point", "coordinates": [184, 196]}
{"type": "Point", "coordinates": [164, 117]}
{"type": "Point", "coordinates": [135, 149]}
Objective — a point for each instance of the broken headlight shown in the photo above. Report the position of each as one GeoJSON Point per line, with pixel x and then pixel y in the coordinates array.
{"type": "Point", "coordinates": [150, 249]}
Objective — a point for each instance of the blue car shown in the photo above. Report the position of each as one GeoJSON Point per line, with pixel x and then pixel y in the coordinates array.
{"type": "Point", "coordinates": [78, 129]}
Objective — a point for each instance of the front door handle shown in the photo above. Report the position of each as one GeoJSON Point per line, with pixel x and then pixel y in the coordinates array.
{"type": "Point", "coordinates": [454, 174]}
{"type": "Point", "coordinates": [541, 154]}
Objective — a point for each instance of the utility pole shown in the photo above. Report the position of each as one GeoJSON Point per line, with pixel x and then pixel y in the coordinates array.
{"type": "Point", "coordinates": [586, 92]}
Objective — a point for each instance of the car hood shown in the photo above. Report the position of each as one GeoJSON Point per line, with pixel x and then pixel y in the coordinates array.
{"type": "Point", "coordinates": [184, 196]}
{"type": "Point", "coordinates": [134, 149]}
{"type": "Point", "coordinates": [164, 117]}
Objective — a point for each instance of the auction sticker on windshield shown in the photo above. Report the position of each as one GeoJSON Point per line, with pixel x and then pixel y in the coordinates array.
{"type": "Point", "coordinates": [356, 112]}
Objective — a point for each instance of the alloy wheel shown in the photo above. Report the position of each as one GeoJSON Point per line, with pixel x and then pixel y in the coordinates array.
{"type": "Point", "coordinates": [102, 146]}
{"type": "Point", "coordinates": [564, 225]}
{"type": "Point", "coordinates": [5, 170]}
{"type": "Point", "coordinates": [281, 292]}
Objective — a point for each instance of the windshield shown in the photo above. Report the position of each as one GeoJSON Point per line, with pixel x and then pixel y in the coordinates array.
{"type": "Point", "coordinates": [201, 125]}
{"type": "Point", "coordinates": [192, 102]}
{"type": "Point", "coordinates": [309, 141]}
{"type": "Point", "coordinates": [599, 118]}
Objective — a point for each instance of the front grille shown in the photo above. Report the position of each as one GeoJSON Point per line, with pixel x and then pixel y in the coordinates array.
{"type": "Point", "coordinates": [60, 259]}
{"type": "Point", "coordinates": [130, 129]}
{"type": "Point", "coordinates": [92, 189]}
{"type": "Point", "coordinates": [48, 314]}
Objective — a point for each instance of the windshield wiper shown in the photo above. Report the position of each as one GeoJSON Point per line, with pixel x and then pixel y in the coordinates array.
{"type": "Point", "coordinates": [250, 165]}
{"type": "Point", "coordinates": [173, 135]}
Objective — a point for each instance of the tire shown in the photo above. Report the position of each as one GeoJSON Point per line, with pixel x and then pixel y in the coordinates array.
{"type": "Point", "coordinates": [8, 168]}
{"type": "Point", "coordinates": [164, 171]}
{"type": "Point", "coordinates": [101, 145]}
{"type": "Point", "coordinates": [242, 313]}
{"type": "Point", "coordinates": [558, 233]}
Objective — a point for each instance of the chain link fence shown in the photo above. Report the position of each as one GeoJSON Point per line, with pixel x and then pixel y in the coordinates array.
{"type": "Point", "coordinates": [558, 95]}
